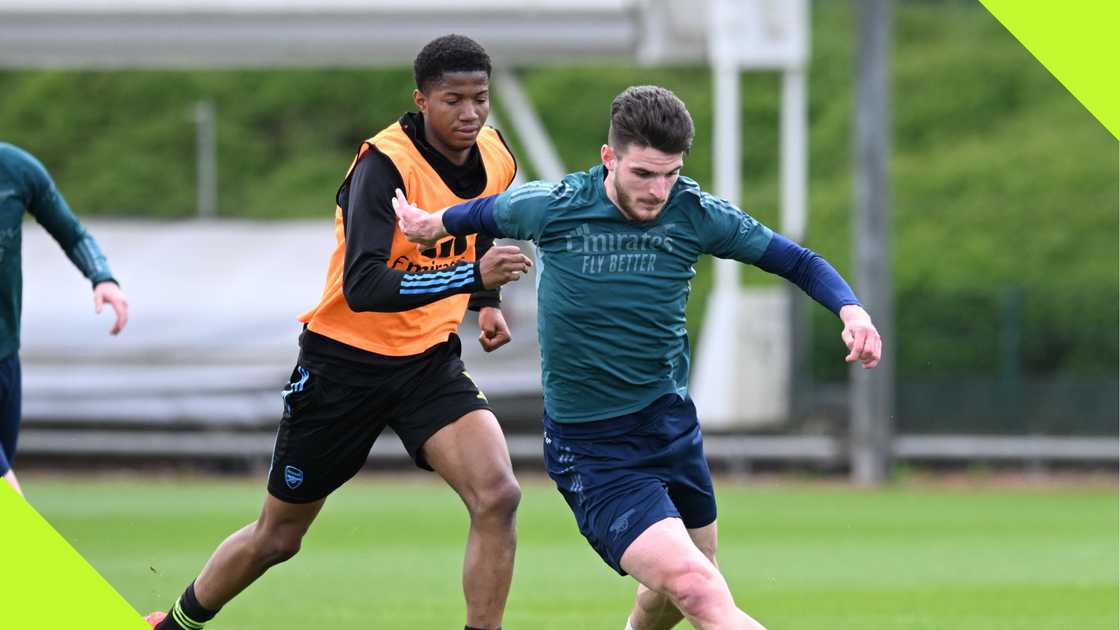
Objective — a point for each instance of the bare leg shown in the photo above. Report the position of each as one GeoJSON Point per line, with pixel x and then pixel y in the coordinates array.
{"type": "Point", "coordinates": [665, 559]}
{"type": "Point", "coordinates": [471, 455]}
{"type": "Point", "coordinates": [10, 477]}
{"type": "Point", "coordinates": [243, 557]}
{"type": "Point", "coordinates": [654, 611]}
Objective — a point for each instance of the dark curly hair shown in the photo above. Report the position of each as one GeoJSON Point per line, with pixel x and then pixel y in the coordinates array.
{"type": "Point", "coordinates": [650, 116]}
{"type": "Point", "coordinates": [450, 53]}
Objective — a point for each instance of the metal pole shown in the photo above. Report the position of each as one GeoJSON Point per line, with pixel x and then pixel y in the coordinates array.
{"type": "Point", "coordinates": [207, 159]}
{"type": "Point", "coordinates": [728, 158]}
{"type": "Point", "coordinates": [532, 132]}
{"type": "Point", "coordinates": [716, 373]}
{"type": "Point", "coordinates": [872, 391]}
{"type": "Point", "coordinates": [495, 120]}
{"type": "Point", "coordinates": [794, 154]}
{"type": "Point", "coordinates": [794, 221]}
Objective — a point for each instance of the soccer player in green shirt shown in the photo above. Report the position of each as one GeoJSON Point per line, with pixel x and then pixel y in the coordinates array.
{"type": "Point", "coordinates": [25, 186]}
{"type": "Point", "coordinates": [616, 246]}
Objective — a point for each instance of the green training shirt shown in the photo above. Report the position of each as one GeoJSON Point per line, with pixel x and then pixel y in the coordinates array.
{"type": "Point", "coordinates": [25, 186]}
{"type": "Point", "coordinates": [612, 292]}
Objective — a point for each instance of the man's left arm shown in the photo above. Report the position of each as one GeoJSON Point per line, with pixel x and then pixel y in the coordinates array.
{"type": "Point", "coordinates": [493, 331]}
{"type": "Point", "coordinates": [52, 212]}
{"type": "Point", "coordinates": [484, 298]}
{"type": "Point", "coordinates": [820, 280]}
{"type": "Point", "coordinates": [739, 236]}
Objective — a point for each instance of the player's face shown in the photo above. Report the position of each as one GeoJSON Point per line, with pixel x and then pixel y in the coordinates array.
{"type": "Point", "coordinates": [455, 108]}
{"type": "Point", "coordinates": [639, 179]}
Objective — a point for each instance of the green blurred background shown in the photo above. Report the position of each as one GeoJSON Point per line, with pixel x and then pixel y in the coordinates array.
{"type": "Point", "coordinates": [1005, 189]}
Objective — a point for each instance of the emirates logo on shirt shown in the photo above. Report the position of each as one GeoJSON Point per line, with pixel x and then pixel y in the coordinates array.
{"type": "Point", "coordinates": [453, 246]}
{"type": "Point", "coordinates": [446, 254]}
{"type": "Point", "coordinates": [583, 240]}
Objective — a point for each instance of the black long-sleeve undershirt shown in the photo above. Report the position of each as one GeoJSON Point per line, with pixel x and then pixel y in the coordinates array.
{"type": "Point", "coordinates": [370, 283]}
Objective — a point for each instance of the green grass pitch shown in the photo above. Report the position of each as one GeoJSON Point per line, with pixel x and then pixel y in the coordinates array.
{"type": "Point", "coordinates": [386, 553]}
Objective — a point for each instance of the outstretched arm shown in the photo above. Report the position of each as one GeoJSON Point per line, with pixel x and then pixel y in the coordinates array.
{"type": "Point", "coordinates": [823, 283]}
{"type": "Point", "coordinates": [808, 271]}
{"type": "Point", "coordinates": [50, 209]}
{"type": "Point", "coordinates": [732, 233]}
{"type": "Point", "coordinates": [423, 228]}
{"type": "Point", "coordinates": [519, 213]}
{"type": "Point", "coordinates": [369, 283]}
{"type": "Point", "coordinates": [476, 216]}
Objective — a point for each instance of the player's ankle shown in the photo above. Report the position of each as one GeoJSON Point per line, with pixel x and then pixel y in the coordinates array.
{"type": "Point", "coordinates": [187, 613]}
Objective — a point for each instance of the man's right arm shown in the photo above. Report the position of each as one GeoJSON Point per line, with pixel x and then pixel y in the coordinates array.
{"type": "Point", "coordinates": [517, 213]}
{"type": "Point", "coordinates": [368, 282]}
{"type": "Point", "coordinates": [473, 217]}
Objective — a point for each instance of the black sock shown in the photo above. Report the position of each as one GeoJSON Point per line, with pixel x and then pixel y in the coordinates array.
{"type": "Point", "coordinates": [187, 613]}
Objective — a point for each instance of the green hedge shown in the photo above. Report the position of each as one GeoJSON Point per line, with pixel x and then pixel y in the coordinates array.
{"type": "Point", "coordinates": [1001, 179]}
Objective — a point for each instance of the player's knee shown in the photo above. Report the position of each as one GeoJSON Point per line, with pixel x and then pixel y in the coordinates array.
{"type": "Point", "coordinates": [696, 590]}
{"type": "Point", "coordinates": [499, 501]}
{"type": "Point", "coordinates": [280, 550]}
{"type": "Point", "coordinates": [277, 545]}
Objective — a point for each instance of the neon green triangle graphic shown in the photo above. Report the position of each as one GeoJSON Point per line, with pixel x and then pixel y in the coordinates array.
{"type": "Point", "coordinates": [1078, 42]}
{"type": "Point", "coordinates": [46, 584]}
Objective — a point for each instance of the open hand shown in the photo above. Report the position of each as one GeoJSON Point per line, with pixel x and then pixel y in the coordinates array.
{"type": "Point", "coordinates": [111, 293]}
{"type": "Point", "coordinates": [418, 226]}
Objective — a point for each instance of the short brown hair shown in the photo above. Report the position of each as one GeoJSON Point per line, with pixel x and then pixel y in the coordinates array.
{"type": "Point", "coordinates": [650, 116]}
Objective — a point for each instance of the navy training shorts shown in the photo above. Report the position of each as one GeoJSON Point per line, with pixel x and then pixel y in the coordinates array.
{"type": "Point", "coordinates": [10, 409]}
{"type": "Point", "coordinates": [622, 475]}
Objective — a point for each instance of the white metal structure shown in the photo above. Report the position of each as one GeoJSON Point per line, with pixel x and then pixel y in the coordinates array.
{"type": "Point", "coordinates": [308, 33]}
{"type": "Point", "coordinates": [736, 381]}
{"type": "Point", "coordinates": [732, 34]}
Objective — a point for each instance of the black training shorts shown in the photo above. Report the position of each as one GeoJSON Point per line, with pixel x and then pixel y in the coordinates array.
{"type": "Point", "coordinates": [330, 425]}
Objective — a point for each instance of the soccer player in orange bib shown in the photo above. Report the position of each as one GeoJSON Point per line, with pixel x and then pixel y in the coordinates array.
{"type": "Point", "coordinates": [380, 348]}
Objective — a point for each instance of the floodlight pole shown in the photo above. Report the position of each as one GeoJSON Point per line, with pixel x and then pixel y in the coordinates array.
{"type": "Point", "coordinates": [872, 391]}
